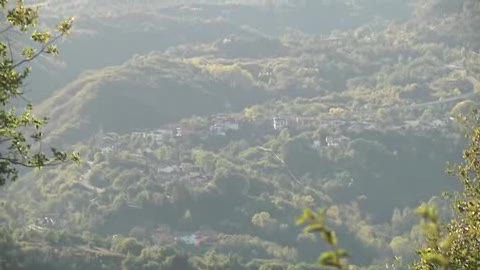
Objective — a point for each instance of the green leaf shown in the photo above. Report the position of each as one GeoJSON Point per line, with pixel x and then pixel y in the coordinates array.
{"type": "Point", "coordinates": [42, 37]}
{"type": "Point", "coordinates": [3, 49]}
{"type": "Point", "coordinates": [427, 212]}
{"type": "Point", "coordinates": [330, 258]}
{"type": "Point", "coordinates": [52, 49]}
{"type": "Point", "coordinates": [65, 26]}
{"type": "Point", "coordinates": [28, 52]}
{"type": "Point", "coordinates": [330, 237]}
{"type": "Point", "coordinates": [307, 215]}
{"type": "Point", "coordinates": [435, 258]}
{"type": "Point", "coordinates": [316, 227]}
{"type": "Point", "coordinates": [446, 243]}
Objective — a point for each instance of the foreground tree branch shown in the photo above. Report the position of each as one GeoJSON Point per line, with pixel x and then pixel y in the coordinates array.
{"type": "Point", "coordinates": [20, 132]}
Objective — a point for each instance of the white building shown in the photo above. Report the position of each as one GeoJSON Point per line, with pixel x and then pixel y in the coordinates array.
{"type": "Point", "coordinates": [336, 141]}
{"type": "Point", "coordinates": [221, 127]}
{"type": "Point", "coordinates": [280, 123]}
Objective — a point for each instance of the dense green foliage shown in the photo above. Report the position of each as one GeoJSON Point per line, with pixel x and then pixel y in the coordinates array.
{"type": "Point", "coordinates": [455, 245]}
{"type": "Point", "coordinates": [188, 162]}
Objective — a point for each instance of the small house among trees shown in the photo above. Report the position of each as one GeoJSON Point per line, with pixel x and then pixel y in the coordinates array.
{"type": "Point", "coordinates": [280, 123]}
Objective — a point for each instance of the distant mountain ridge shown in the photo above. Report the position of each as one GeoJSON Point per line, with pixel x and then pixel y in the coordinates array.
{"type": "Point", "coordinates": [146, 91]}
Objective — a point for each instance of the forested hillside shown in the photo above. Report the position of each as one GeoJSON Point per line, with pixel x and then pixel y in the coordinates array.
{"type": "Point", "coordinates": [205, 127]}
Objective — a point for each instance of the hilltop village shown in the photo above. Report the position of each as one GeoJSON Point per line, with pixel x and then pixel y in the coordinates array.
{"type": "Point", "coordinates": [224, 125]}
{"type": "Point", "coordinates": [330, 132]}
